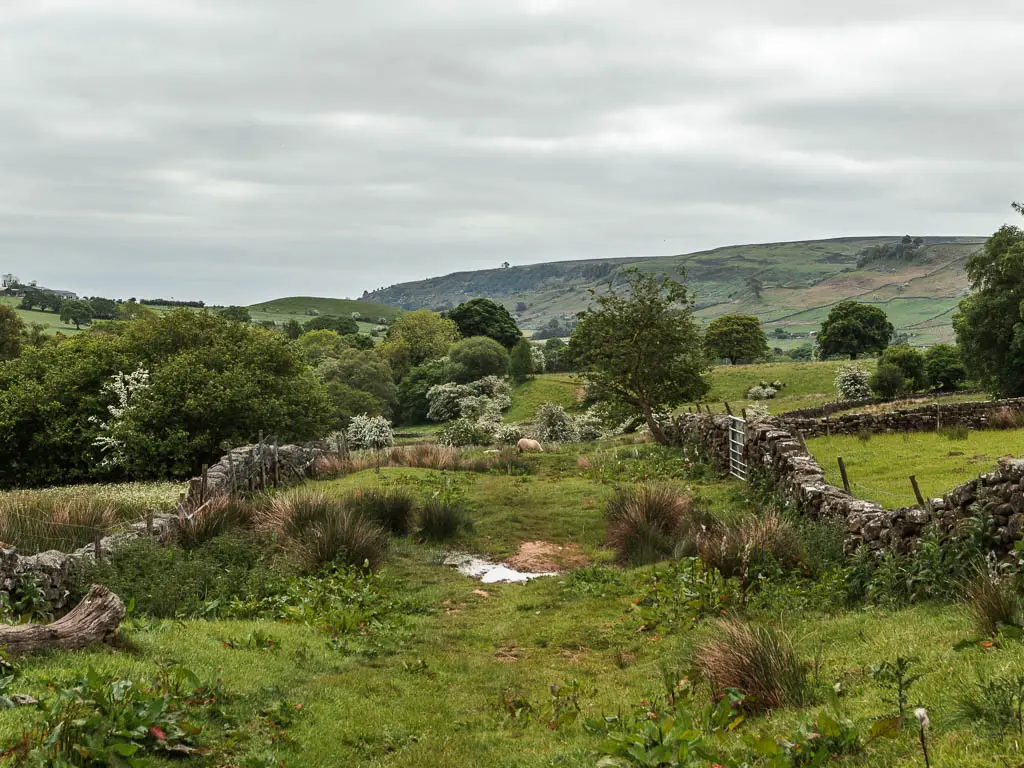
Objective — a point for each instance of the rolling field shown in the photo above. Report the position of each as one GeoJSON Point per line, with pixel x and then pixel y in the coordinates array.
{"type": "Point", "coordinates": [297, 307]}
{"type": "Point", "coordinates": [50, 322]}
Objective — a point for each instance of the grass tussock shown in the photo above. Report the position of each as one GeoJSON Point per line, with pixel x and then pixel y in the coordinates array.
{"type": "Point", "coordinates": [651, 522]}
{"type": "Point", "coordinates": [218, 515]}
{"type": "Point", "coordinates": [755, 659]}
{"type": "Point", "coordinates": [1006, 417]}
{"type": "Point", "coordinates": [992, 600]}
{"type": "Point", "coordinates": [319, 530]}
{"type": "Point", "coordinates": [391, 508]}
{"type": "Point", "coordinates": [443, 519]}
{"type": "Point", "coordinates": [34, 524]}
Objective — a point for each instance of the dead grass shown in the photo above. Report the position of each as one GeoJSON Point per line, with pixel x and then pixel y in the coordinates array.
{"type": "Point", "coordinates": [991, 600]}
{"type": "Point", "coordinates": [213, 518]}
{"type": "Point", "coordinates": [755, 659]}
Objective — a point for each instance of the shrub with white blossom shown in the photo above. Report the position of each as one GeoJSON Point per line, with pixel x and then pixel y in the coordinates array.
{"type": "Point", "coordinates": [590, 426]}
{"type": "Point", "coordinates": [462, 432]}
{"type": "Point", "coordinates": [852, 382]}
{"type": "Point", "coordinates": [758, 392]}
{"type": "Point", "coordinates": [554, 425]}
{"type": "Point", "coordinates": [370, 433]}
{"type": "Point", "coordinates": [485, 396]}
{"type": "Point", "coordinates": [756, 413]}
{"type": "Point", "coordinates": [539, 360]}
{"type": "Point", "coordinates": [124, 389]}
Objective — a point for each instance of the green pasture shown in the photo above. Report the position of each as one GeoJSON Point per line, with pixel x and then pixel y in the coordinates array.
{"type": "Point", "coordinates": [880, 465]}
{"type": "Point", "coordinates": [51, 322]}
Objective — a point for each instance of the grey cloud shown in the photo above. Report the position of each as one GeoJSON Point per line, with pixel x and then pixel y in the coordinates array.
{"type": "Point", "coordinates": [235, 151]}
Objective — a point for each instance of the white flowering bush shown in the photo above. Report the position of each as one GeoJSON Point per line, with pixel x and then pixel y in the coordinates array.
{"type": "Point", "coordinates": [554, 425]}
{"type": "Point", "coordinates": [538, 359]}
{"type": "Point", "coordinates": [506, 434]}
{"type": "Point", "coordinates": [756, 413]}
{"type": "Point", "coordinates": [758, 392]}
{"type": "Point", "coordinates": [444, 401]}
{"type": "Point", "coordinates": [463, 432]}
{"type": "Point", "coordinates": [852, 382]}
{"type": "Point", "coordinates": [590, 426]}
{"type": "Point", "coordinates": [483, 397]}
{"type": "Point", "coordinates": [370, 433]}
{"type": "Point", "coordinates": [124, 389]}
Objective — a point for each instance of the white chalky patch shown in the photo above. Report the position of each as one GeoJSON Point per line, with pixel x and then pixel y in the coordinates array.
{"type": "Point", "coordinates": [487, 572]}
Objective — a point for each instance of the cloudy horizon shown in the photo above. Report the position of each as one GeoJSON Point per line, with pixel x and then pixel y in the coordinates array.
{"type": "Point", "coordinates": [241, 150]}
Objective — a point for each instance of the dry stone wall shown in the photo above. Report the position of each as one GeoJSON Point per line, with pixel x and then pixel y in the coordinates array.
{"type": "Point", "coordinates": [248, 468]}
{"type": "Point", "coordinates": [781, 460]}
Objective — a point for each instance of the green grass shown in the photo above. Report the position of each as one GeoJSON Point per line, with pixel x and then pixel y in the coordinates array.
{"type": "Point", "coordinates": [561, 388]}
{"type": "Point", "coordinates": [807, 385]}
{"type": "Point", "coordinates": [880, 467]}
{"type": "Point", "coordinates": [436, 701]}
{"type": "Point", "coordinates": [298, 307]}
{"type": "Point", "coordinates": [51, 322]}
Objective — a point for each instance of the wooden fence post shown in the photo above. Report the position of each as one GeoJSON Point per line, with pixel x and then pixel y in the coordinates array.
{"type": "Point", "coordinates": [149, 522]}
{"type": "Point", "coordinates": [97, 546]}
{"type": "Point", "coordinates": [263, 464]}
{"type": "Point", "coordinates": [277, 465]}
{"type": "Point", "coordinates": [917, 491]}
{"type": "Point", "coordinates": [846, 478]}
{"type": "Point", "coordinates": [727, 408]}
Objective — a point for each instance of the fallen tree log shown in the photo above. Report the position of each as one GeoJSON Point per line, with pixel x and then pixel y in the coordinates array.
{"type": "Point", "coordinates": [93, 620]}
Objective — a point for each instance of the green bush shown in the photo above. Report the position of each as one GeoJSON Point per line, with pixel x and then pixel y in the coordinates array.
{"type": "Point", "coordinates": [888, 381]}
{"type": "Point", "coordinates": [944, 367]}
{"type": "Point", "coordinates": [910, 362]}
{"type": "Point", "coordinates": [480, 356]}
{"type": "Point", "coordinates": [166, 582]}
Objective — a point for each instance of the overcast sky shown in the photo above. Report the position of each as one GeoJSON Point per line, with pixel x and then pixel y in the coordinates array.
{"type": "Point", "coordinates": [239, 150]}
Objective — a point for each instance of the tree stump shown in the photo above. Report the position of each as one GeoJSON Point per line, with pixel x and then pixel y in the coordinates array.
{"type": "Point", "coordinates": [95, 619]}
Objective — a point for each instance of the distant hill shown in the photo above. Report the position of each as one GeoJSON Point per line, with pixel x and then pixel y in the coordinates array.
{"type": "Point", "coordinates": [302, 308]}
{"type": "Point", "coordinates": [787, 285]}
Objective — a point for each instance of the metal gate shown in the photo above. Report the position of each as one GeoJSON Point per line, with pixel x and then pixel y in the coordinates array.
{"type": "Point", "coordinates": [737, 447]}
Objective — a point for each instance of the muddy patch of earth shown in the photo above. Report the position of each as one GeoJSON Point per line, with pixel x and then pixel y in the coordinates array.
{"type": "Point", "coordinates": [547, 557]}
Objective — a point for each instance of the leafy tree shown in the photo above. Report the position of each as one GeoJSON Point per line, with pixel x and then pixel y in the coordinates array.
{"type": "Point", "coordinates": [521, 363]}
{"type": "Point", "coordinates": [132, 310]}
{"type": "Point", "coordinates": [802, 352]}
{"type": "Point", "coordinates": [364, 371]}
{"type": "Point", "coordinates": [412, 390]}
{"type": "Point", "coordinates": [910, 363]}
{"type": "Point", "coordinates": [480, 356]}
{"type": "Point", "coordinates": [341, 325]}
{"type": "Point", "coordinates": [888, 380]}
{"type": "Point", "coordinates": [212, 383]}
{"type": "Point", "coordinates": [34, 335]}
{"type": "Point", "coordinates": [103, 309]}
{"type": "Point", "coordinates": [236, 314]}
{"type": "Point", "coordinates": [853, 329]}
{"type": "Point", "coordinates": [318, 346]}
{"type": "Point", "coordinates": [736, 337]}
{"type": "Point", "coordinates": [754, 286]}
{"type": "Point", "coordinates": [641, 350]}
{"type": "Point", "coordinates": [988, 323]}
{"type": "Point", "coordinates": [349, 402]}
{"type": "Point", "coordinates": [76, 311]}
{"type": "Point", "coordinates": [556, 356]}
{"type": "Point", "coordinates": [12, 332]}
{"type": "Point", "coordinates": [292, 328]}
{"type": "Point", "coordinates": [944, 367]}
{"type": "Point", "coordinates": [417, 337]}
{"type": "Point", "coordinates": [483, 317]}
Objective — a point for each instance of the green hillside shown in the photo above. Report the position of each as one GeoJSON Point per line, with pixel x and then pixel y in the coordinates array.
{"type": "Point", "coordinates": [799, 281]}
{"type": "Point", "coordinates": [301, 308]}
{"type": "Point", "coordinates": [51, 323]}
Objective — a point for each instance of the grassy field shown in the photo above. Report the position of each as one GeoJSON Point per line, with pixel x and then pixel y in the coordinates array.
{"type": "Point", "coordinates": [298, 308]}
{"type": "Point", "coordinates": [524, 675]}
{"type": "Point", "coordinates": [561, 388]}
{"type": "Point", "coordinates": [880, 466]}
{"type": "Point", "coordinates": [50, 322]}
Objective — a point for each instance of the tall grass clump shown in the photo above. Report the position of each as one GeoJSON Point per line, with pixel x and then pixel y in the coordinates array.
{"type": "Point", "coordinates": [735, 549]}
{"type": "Point", "coordinates": [442, 519]}
{"type": "Point", "coordinates": [991, 599]}
{"type": "Point", "coordinates": [391, 508]}
{"type": "Point", "coordinates": [650, 522]}
{"type": "Point", "coordinates": [318, 530]}
{"type": "Point", "coordinates": [755, 659]}
{"type": "Point", "coordinates": [1006, 417]}
{"type": "Point", "coordinates": [218, 515]}
{"type": "Point", "coordinates": [35, 523]}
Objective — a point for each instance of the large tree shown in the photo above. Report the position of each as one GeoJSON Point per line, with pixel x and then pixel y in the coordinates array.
{"type": "Point", "coordinates": [521, 363]}
{"type": "Point", "coordinates": [641, 350]}
{"type": "Point", "coordinates": [417, 337]}
{"type": "Point", "coordinates": [342, 325]}
{"type": "Point", "coordinates": [76, 311]}
{"type": "Point", "coordinates": [736, 337]}
{"type": "Point", "coordinates": [854, 329]}
{"type": "Point", "coordinates": [483, 317]}
{"type": "Point", "coordinates": [988, 323]}
{"type": "Point", "coordinates": [480, 356]}
{"type": "Point", "coordinates": [12, 332]}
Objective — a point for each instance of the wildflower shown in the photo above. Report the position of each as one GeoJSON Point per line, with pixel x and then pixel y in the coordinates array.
{"type": "Point", "coordinates": [922, 717]}
{"type": "Point", "coordinates": [158, 733]}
